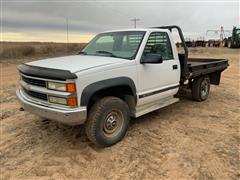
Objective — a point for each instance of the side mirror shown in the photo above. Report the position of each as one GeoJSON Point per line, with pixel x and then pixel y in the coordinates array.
{"type": "Point", "coordinates": [152, 59]}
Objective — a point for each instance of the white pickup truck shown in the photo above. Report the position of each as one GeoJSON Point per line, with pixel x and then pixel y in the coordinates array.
{"type": "Point", "coordinates": [118, 75]}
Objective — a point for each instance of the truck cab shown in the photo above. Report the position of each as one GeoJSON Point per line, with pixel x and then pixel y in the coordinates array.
{"type": "Point", "coordinates": [119, 75]}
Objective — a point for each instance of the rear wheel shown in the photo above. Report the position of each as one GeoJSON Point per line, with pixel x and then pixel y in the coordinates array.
{"type": "Point", "coordinates": [108, 121]}
{"type": "Point", "coordinates": [201, 88]}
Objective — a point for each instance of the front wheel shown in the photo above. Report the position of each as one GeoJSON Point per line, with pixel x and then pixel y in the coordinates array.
{"type": "Point", "coordinates": [201, 88]}
{"type": "Point", "coordinates": [108, 121]}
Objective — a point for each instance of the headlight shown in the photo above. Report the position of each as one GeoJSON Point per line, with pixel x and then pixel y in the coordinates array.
{"type": "Point", "coordinates": [57, 100]}
{"type": "Point", "coordinates": [57, 86]}
{"type": "Point", "coordinates": [70, 87]}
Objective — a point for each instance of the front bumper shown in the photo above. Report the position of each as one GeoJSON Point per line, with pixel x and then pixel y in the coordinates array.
{"type": "Point", "coordinates": [70, 116]}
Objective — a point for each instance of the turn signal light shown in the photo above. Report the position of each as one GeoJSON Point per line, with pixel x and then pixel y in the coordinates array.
{"type": "Point", "coordinates": [71, 87]}
{"type": "Point", "coordinates": [72, 101]}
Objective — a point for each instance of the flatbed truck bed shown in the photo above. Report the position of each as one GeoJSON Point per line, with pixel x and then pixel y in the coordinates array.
{"type": "Point", "coordinates": [201, 66]}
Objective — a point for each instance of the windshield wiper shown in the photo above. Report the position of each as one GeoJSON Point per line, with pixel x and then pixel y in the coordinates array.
{"type": "Point", "coordinates": [106, 52]}
{"type": "Point", "coordinates": [82, 52]}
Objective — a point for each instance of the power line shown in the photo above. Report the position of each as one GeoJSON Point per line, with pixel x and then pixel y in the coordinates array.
{"type": "Point", "coordinates": [135, 22]}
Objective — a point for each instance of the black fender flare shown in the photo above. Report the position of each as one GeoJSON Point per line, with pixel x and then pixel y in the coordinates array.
{"type": "Point", "coordinates": [91, 89]}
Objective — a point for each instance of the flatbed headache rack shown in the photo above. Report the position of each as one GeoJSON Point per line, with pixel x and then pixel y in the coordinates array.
{"type": "Point", "coordinates": [185, 73]}
{"type": "Point", "coordinates": [193, 67]}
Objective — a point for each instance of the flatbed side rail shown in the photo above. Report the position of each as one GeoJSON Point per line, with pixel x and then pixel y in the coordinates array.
{"type": "Point", "coordinates": [199, 68]}
{"type": "Point", "coordinates": [206, 60]}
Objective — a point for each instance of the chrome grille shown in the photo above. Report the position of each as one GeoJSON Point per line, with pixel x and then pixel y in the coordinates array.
{"type": "Point", "coordinates": [35, 82]}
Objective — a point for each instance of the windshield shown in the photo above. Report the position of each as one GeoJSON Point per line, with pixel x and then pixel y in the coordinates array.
{"type": "Point", "coordinates": [122, 44]}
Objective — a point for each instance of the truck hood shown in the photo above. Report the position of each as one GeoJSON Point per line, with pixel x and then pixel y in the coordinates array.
{"type": "Point", "coordinates": [76, 63]}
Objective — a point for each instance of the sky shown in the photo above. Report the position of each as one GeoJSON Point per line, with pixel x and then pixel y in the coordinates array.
{"type": "Point", "coordinates": [46, 20]}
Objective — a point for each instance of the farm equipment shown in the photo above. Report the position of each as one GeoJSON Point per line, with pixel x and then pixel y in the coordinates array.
{"type": "Point", "coordinates": [234, 40]}
{"type": "Point", "coordinates": [189, 43]}
{"type": "Point", "coordinates": [200, 43]}
{"type": "Point", "coordinates": [222, 37]}
{"type": "Point", "coordinates": [214, 43]}
{"type": "Point", "coordinates": [194, 43]}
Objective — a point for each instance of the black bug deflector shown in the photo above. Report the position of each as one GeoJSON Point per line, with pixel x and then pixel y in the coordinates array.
{"type": "Point", "coordinates": [48, 73]}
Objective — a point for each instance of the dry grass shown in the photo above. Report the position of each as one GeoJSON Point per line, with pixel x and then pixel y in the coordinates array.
{"type": "Point", "coordinates": [30, 49]}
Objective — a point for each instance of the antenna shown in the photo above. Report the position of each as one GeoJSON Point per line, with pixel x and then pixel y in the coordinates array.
{"type": "Point", "coordinates": [135, 22]}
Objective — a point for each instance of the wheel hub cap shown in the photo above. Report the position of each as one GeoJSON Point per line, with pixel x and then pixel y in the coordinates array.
{"type": "Point", "coordinates": [111, 122]}
{"type": "Point", "coordinates": [204, 88]}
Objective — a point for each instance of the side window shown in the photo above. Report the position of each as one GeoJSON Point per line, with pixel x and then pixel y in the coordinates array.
{"type": "Point", "coordinates": [159, 43]}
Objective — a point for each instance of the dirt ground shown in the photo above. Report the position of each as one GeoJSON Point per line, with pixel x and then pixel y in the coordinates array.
{"type": "Point", "coordinates": [187, 140]}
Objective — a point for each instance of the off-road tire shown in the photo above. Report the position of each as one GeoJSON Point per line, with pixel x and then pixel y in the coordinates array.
{"type": "Point", "coordinates": [201, 88]}
{"type": "Point", "coordinates": [98, 116]}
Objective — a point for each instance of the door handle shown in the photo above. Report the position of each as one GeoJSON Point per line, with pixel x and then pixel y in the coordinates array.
{"type": "Point", "coordinates": [175, 66]}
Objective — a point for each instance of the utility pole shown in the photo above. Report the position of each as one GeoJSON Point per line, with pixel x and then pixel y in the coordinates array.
{"type": "Point", "coordinates": [67, 32]}
{"type": "Point", "coordinates": [135, 22]}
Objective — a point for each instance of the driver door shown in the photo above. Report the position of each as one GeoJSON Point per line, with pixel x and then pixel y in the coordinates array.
{"type": "Point", "coordinates": [160, 80]}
